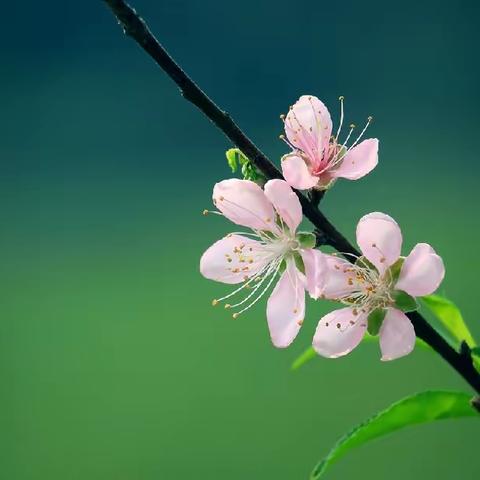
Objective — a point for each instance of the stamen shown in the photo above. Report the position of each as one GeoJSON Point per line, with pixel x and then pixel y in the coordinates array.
{"type": "Point", "coordinates": [213, 212]}
{"type": "Point", "coordinates": [341, 98]}
{"type": "Point", "coordinates": [272, 278]}
{"type": "Point", "coordinates": [369, 121]}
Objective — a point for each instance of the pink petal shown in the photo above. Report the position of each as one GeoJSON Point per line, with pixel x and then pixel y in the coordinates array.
{"type": "Point", "coordinates": [286, 307]}
{"type": "Point", "coordinates": [336, 284]}
{"type": "Point", "coordinates": [397, 335]}
{"type": "Point", "coordinates": [359, 161]}
{"type": "Point", "coordinates": [214, 263]}
{"type": "Point", "coordinates": [315, 271]}
{"type": "Point", "coordinates": [285, 201]}
{"type": "Point", "coordinates": [308, 126]}
{"type": "Point", "coordinates": [244, 203]}
{"type": "Point", "coordinates": [339, 332]}
{"type": "Point", "coordinates": [422, 271]}
{"type": "Point", "coordinates": [380, 239]}
{"type": "Point", "coordinates": [296, 172]}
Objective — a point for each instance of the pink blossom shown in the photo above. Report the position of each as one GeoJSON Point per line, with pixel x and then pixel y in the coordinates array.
{"type": "Point", "coordinates": [254, 259]}
{"type": "Point", "coordinates": [319, 158]}
{"type": "Point", "coordinates": [376, 288]}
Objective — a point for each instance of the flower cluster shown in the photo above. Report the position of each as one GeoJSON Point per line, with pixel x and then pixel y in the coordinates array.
{"type": "Point", "coordinates": [376, 288]}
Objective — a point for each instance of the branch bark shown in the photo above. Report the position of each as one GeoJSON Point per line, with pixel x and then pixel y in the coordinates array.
{"type": "Point", "coordinates": [135, 27]}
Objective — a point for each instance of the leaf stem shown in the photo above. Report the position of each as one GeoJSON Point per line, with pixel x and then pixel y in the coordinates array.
{"type": "Point", "coordinates": [135, 27]}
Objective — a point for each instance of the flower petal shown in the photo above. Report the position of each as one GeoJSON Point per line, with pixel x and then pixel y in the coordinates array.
{"type": "Point", "coordinates": [286, 307]}
{"type": "Point", "coordinates": [215, 264]}
{"type": "Point", "coordinates": [244, 203]}
{"type": "Point", "coordinates": [339, 332]}
{"type": "Point", "coordinates": [422, 272]}
{"type": "Point", "coordinates": [338, 273]}
{"type": "Point", "coordinates": [380, 239]}
{"type": "Point", "coordinates": [359, 161]}
{"type": "Point", "coordinates": [285, 201]}
{"type": "Point", "coordinates": [315, 271]}
{"type": "Point", "coordinates": [296, 172]}
{"type": "Point", "coordinates": [397, 335]}
{"type": "Point", "coordinates": [308, 126]}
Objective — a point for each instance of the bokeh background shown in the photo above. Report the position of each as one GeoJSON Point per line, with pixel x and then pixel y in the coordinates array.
{"type": "Point", "coordinates": [113, 364]}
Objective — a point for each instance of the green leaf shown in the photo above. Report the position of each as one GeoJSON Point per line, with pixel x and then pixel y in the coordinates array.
{"type": "Point", "coordinates": [236, 158]}
{"type": "Point", "coordinates": [404, 301]}
{"type": "Point", "coordinates": [375, 320]}
{"type": "Point", "coordinates": [450, 317]}
{"type": "Point", "coordinates": [233, 158]}
{"type": "Point", "coordinates": [306, 239]}
{"type": "Point", "coordinates": [420, 408]}
{"type": "Point", "coordinates": [310, 354]}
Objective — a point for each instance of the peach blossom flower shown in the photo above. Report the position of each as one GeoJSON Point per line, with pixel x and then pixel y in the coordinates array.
{"type": "Point", "coordinates": [255, 259]}
{"type": "Point", "coordinates": [378, 288]}
{"type": "Point", "coordinates": [318, 158]}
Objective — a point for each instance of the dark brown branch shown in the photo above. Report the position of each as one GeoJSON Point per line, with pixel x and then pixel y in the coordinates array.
{"type": "Point", "coordinates": [134, 26]}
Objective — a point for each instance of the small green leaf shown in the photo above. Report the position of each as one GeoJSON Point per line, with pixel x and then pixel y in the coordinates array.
{"type": "Point", "coordinates": [450, 317]}
{"type": "Point", "coordinates": [306, 239]}
{"type": "Point", "coordinates": [420, 408]}
{"type": "Point", "coordinates": [233, 155]}
{"type": "Point", "coordinates": [236, 158]}
{"type": "Point", "coordinates": [375, 320]}
{"type": "Point", "coordinates": [404, 302]}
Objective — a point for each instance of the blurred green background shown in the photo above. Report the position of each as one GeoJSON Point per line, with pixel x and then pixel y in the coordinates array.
{"type": "Point", "coordinates": [113, 364]}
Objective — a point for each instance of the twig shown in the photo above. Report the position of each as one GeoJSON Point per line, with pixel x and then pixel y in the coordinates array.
{"type": "Point", "coordinates": [134, 26]}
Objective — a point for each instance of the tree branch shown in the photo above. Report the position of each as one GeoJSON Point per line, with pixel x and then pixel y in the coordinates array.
{"type": "Point", "coordinates": [134, 26]}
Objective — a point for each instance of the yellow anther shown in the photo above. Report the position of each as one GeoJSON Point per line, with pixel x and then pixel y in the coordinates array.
{"type": "Point", "coordinates": [282, 116]}
{"type": "Point", "coordinates": [370, 118]}
{"type": "Point", "coordinates": [205, 212]}
{"type": "Point", "coordinates": [352, 125]}
{"type": "Point", "coordinates": [235, 315]}
{"type": "Point", "coordinates": [227, 306]}
{"type": "Point", "coordinates": [214, 303]}
{"type": "Point", "coordinates": [281, 137]}
{"type": "Point", "coordinates": [341, 98]}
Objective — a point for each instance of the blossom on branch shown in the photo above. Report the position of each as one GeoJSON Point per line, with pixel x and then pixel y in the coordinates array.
{"type": "Point", "coordinates": [254, 259]}
{"type": "Point", "coordinates": [377, 289]}
{"type": "Point", "coordinates": [318, 158]}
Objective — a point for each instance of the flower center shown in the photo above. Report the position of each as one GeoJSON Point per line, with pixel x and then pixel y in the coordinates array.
{"type": "Point", "coordinates": [259, 262]}
{"type": "Point", "coordinates": [365, 289]}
